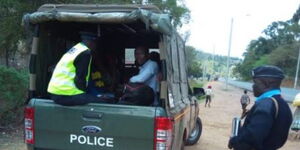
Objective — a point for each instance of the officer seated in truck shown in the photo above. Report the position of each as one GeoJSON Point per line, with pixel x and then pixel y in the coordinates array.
{"type": "Point", "coordinates": [68, 84]}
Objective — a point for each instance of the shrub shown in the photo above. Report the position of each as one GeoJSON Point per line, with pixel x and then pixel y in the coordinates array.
{"type": "Point", "coordinates": [13, 90]}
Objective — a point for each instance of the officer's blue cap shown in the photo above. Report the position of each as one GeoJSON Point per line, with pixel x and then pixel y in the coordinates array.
{"type": "Point", "coordinates": [88, 36]}
{"type": "Point", "coordinates": [267, 71]}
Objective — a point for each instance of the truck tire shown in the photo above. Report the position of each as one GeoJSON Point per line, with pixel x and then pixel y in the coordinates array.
{"type": "Point", "coordinates": [182, 144]}
{"type": "Point", "coordinates": [195, 134]}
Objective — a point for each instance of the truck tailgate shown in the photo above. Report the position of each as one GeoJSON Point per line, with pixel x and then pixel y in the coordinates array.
{"type": "Point", "coordinates": [93, 126]}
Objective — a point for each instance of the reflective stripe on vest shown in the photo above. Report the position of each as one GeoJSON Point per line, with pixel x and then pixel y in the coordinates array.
{"type": "Point", "coordinates": [62, 80]}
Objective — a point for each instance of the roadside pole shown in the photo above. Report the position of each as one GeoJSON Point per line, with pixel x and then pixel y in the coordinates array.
{"type": "Point", "coordinates": [203, 71]}
{"type": "Point", "coordinates": [229, 48]}
{"type": "Point", "coordinates": [213, 62]}
{"type": "Point", "coordinates": [297, 70]}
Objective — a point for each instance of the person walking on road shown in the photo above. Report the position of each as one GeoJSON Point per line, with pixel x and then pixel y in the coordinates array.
{"type": "Point", "coordinates": [208, 93]}
{"type": "Point", "coordinates": [268, 122]}
{"type": "Point", "coordinates": [245, 100]}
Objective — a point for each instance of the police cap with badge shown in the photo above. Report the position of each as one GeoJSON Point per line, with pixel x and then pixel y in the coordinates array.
{"type": "Point", "coordinates": [267, 71]}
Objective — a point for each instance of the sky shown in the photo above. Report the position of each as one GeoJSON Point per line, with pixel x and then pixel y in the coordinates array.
{"type": "Point", "coordinates": [211, 19]}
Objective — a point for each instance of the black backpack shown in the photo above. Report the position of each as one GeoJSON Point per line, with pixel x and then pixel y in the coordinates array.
{"type": "Point", "coordinates": [137, 94]}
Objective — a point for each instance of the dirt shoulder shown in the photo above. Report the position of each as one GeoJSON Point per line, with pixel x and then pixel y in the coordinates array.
{"type": "Point", "coordinates": [12, 139]}
{"type": "Point", "coordinates": [217, 119]}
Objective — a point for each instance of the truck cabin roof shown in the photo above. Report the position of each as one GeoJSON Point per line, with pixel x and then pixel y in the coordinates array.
{"type": "Point", "coordinates": [149, 15]}
{"type": "Point", "coordinates": [95, 8]}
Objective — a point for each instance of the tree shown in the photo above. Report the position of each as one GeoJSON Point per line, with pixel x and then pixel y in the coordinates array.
{"type": "Point", "coordinates": [285, 57]}
{"type": "Point", "coordinates": [277, 47]}
{"type": "Point", "coordinates": [11, 12]}
{"type": "Point", "coordinates": [296, 16]}
{"type": "Point", "coordinates": [176, 8]}
{"type": "Point", "coordinates": [193, 64]}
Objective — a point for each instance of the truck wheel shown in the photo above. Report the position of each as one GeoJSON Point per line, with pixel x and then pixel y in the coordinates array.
{"type": "Point", "coordinates": [182, 144]}
{"type": "Point", "coordinates": [195, 134]}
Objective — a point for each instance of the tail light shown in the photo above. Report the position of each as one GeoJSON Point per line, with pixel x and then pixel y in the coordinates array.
{"type": "Point", "coordinates": [29, 125]}
{"type": "Point", "coordinates": [163, 133]}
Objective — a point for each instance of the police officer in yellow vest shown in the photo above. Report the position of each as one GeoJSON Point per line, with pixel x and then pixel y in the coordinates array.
{"type": "Point", "coordinates": [69, 80]}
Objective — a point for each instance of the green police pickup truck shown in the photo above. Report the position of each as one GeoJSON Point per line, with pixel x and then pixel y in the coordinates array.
{"type": "Point", "coordinates": [171, 125]}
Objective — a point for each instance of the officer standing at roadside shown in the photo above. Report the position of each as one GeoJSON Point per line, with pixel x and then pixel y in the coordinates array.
{"type": "Point", "coordinates": [267, 124]}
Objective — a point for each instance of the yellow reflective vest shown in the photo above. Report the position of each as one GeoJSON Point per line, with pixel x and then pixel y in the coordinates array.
{"type": "Point", "coordinates": [62, 80]}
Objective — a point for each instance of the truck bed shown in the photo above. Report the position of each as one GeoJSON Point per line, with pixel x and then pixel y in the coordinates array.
{"type": "Point", "coordinates": [94, 126]}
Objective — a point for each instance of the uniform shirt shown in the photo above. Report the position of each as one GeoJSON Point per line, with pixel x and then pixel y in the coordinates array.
{"type": "Point", "coordinates": [147, 75]}
{"type": "Point", "coordinates": [81, 64]}
{"type": "Point", "coordinates": [262, 130]}
{"type": "Point", "coordinates": [208, 92]}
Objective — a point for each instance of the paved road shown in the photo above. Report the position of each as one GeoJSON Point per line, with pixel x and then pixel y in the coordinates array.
{"type": "Point", "coordinates": [288, 93]}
